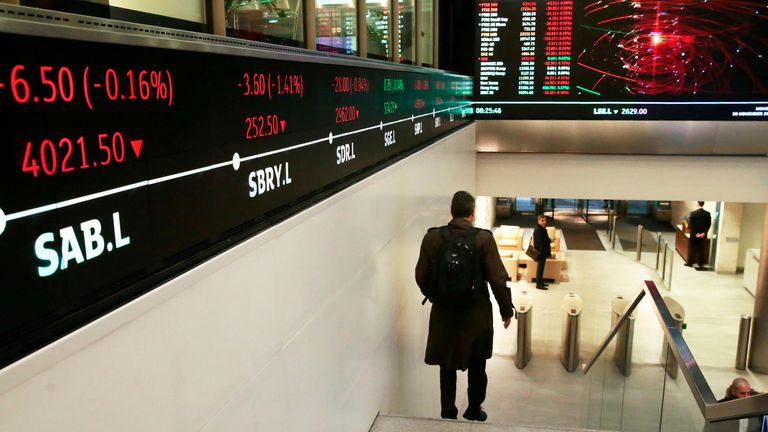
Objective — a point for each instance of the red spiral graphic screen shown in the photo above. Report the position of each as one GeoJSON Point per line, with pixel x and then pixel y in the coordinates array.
{"type": "Point", "coordinates": [683, 59]}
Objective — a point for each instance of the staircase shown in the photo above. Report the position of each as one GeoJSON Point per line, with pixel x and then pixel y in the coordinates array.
{"type": "Point", "coordinates": [389, 423]}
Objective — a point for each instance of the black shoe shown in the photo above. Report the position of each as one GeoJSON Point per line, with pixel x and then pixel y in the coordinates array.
{"type": "Point", "coordinates": [541, 287]}
{"type": "Point", "coordinates": [476, 414]}
{"type": "Point", "coordinates": [450, 414]}
{"type": "Point", "coordinates": [688, 265]}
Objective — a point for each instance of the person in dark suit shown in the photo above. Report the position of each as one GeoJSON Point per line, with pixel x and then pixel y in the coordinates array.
{"type": "Point", "coordinates": [699, 222]}
{"type": "Point", "coordinates": [461, 338]}
{"type": "Point", "coordinates": [542, 242]}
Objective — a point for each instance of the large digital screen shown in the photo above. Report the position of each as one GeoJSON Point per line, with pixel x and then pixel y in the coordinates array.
{"type": "Point", "coordinates": [622, 59]}
{"type": "Point", "coordinates": [126, 163]}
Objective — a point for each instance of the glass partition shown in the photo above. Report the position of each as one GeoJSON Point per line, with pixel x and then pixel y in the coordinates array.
{"type": "Point", "coordinates": [666, 260]}
{"type": "Point", "coordinates": [377, 28]}
{"type": "Point", "coordinates": [649, 248]}
{"type": "Point", "coordinates": [626, 238]}
{"type": "Point", "coordinates": [679, 413]}
{"type": "Point", "coordinates": [426, 37]}
{"type": "Point", "coordinates": [606, 393]}
{"type": "Point", "coordinates": [566, 205]}
{"type": "Point", "coordinates": [638, 208]}
{"type": "Point", "coordinates": [525, 205]}
{"type": "Point", "coordinates": [642, 401]}
{"type": "Point", "coordinates": [273, 21]}
{"type": "Point", "coordinates": [406, 23]}
{"type": "Point", "coordinates": [336, 26]}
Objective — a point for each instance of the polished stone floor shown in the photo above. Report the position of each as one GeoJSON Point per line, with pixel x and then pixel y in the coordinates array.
{"type": "Point", "coordinates": [386, 423]}
{"type": "Point", "coordinates": [544, 394]}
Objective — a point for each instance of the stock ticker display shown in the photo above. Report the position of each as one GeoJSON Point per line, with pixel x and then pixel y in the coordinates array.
{"type": "Point", "coordinates": [126, 165]}
{"type": "Point", "coordinates": [622, 59]}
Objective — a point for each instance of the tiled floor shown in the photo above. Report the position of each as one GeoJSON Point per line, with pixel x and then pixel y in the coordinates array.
{"type": "Point", "coordinates": [544, 394]}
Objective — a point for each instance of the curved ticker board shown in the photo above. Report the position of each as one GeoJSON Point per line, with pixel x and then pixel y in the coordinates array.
{"type": "Point", "coordinates": [128, 162]}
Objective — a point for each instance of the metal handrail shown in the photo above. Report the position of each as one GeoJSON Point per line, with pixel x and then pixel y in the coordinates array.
{"type": "Point", "coordinates": [711, 409]}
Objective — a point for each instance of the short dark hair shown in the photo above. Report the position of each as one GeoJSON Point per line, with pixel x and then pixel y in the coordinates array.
{"type": "Point", "coordinates": [462, 205]}
{"type": "Point", "coordinates": [541, 216]}
{"type": "Point", "coordinates": [701, 203]}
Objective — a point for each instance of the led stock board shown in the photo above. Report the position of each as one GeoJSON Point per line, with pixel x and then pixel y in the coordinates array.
{"type": "Point", "coordinates": [129, 162]}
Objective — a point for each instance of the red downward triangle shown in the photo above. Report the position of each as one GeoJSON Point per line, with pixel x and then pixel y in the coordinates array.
{"type": "Point", "coordinates": [136, 144]}
{"type": "Point", "coordinates": [282, 125]}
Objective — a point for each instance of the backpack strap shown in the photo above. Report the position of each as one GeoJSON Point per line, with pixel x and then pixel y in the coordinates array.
{"type": "Point", "coordinates": [445, 232]}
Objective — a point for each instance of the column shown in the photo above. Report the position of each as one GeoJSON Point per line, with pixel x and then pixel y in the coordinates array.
{"type": "Point", "coordinates": [758, 358]}
{"type": "Point", "coordinates": [362, 30]}
{"type": "Point", "coordinates": [218, 18]}
{"type": "Point", "coordinates": [728, 238]}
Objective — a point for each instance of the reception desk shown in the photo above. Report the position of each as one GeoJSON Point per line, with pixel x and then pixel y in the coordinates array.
{"type": "Point", "coordinates": [682, 243]}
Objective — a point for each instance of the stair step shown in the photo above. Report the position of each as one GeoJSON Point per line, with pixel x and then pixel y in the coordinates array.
{"type": "Point", "coordinates": [391, 423]}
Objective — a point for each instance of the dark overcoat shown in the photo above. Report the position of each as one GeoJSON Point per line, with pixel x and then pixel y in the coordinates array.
{"type": "Point", "coordinates": [542, 242]}
{"type": "Point", "coordinates": [458, 335]}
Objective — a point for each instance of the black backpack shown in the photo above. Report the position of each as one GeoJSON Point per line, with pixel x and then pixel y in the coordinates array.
{"type": "Point", "coordinates": [456, 272]}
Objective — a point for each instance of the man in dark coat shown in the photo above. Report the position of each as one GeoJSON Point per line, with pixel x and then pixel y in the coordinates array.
{"type": "Point", "coordinates": [699, 222]}
{"type": "Point", "coordinates": [541, 242]}
{"type": "Point", "coordinates": [461, 338]}
{"type": "Point", "coordinates": [738, 389]}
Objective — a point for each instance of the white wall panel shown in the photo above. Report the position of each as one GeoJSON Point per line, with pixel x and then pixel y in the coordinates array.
{"type": "Point", "coordinates": [626, 177]}
{"type": "Point", "coordinates": [303, 327]}
{"type": "Point", "coordinates": [190, 10]}
{"type": "Point", "coordinates": [751, 230]}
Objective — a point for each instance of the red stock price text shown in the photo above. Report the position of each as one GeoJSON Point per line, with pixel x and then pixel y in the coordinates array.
{"type": "Point", "coordinates": [54, 156]}
{"type": "Point", "coordinates": [271, 85]}
{"type": "Point", "coordinates": [62, 84]}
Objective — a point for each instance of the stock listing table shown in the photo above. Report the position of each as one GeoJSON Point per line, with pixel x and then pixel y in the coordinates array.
{"type": "Point", "coordinates": [129, 162]}
{"type": "Point", "coordinates": [543, 43]}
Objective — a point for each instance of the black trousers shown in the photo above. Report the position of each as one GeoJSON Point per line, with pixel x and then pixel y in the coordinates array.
{"type": "Point", "coordinates": [697, 251]}
{"type": "Point", "coordinates": [477, 383]}
{"type": "Point", "coordinates": [540, 271]}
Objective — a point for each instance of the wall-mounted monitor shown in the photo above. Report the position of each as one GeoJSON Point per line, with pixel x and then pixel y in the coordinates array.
{"type": "Point", "coordinates": [618, 59]}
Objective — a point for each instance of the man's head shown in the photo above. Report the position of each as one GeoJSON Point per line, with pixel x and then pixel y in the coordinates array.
{"type": "Point", "coordinates": [701, 203]}
{"type": "Point", "coordinates": [542, 220]}
{"type": "Point", "coordinates": [463, 205]}
{"type": "Point", "coordinates": [740, 388]}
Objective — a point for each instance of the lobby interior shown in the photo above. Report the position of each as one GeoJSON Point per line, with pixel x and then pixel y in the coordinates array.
{"type": "Point", "coordinates": [543, 394]}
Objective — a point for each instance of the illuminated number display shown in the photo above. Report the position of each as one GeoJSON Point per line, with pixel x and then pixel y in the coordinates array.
{"type": "Point", "coordinates": [126, 165]}
{"type": "Point", "coordinates": [576, 59]}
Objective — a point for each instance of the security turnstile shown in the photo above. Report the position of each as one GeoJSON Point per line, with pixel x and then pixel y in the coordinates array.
{"type": "Point", "coordinates": [569, 350]}
{"type": "Point", "coordinates": [622, 354]}
{"type": "Point", "coordinates": [524, 307]}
